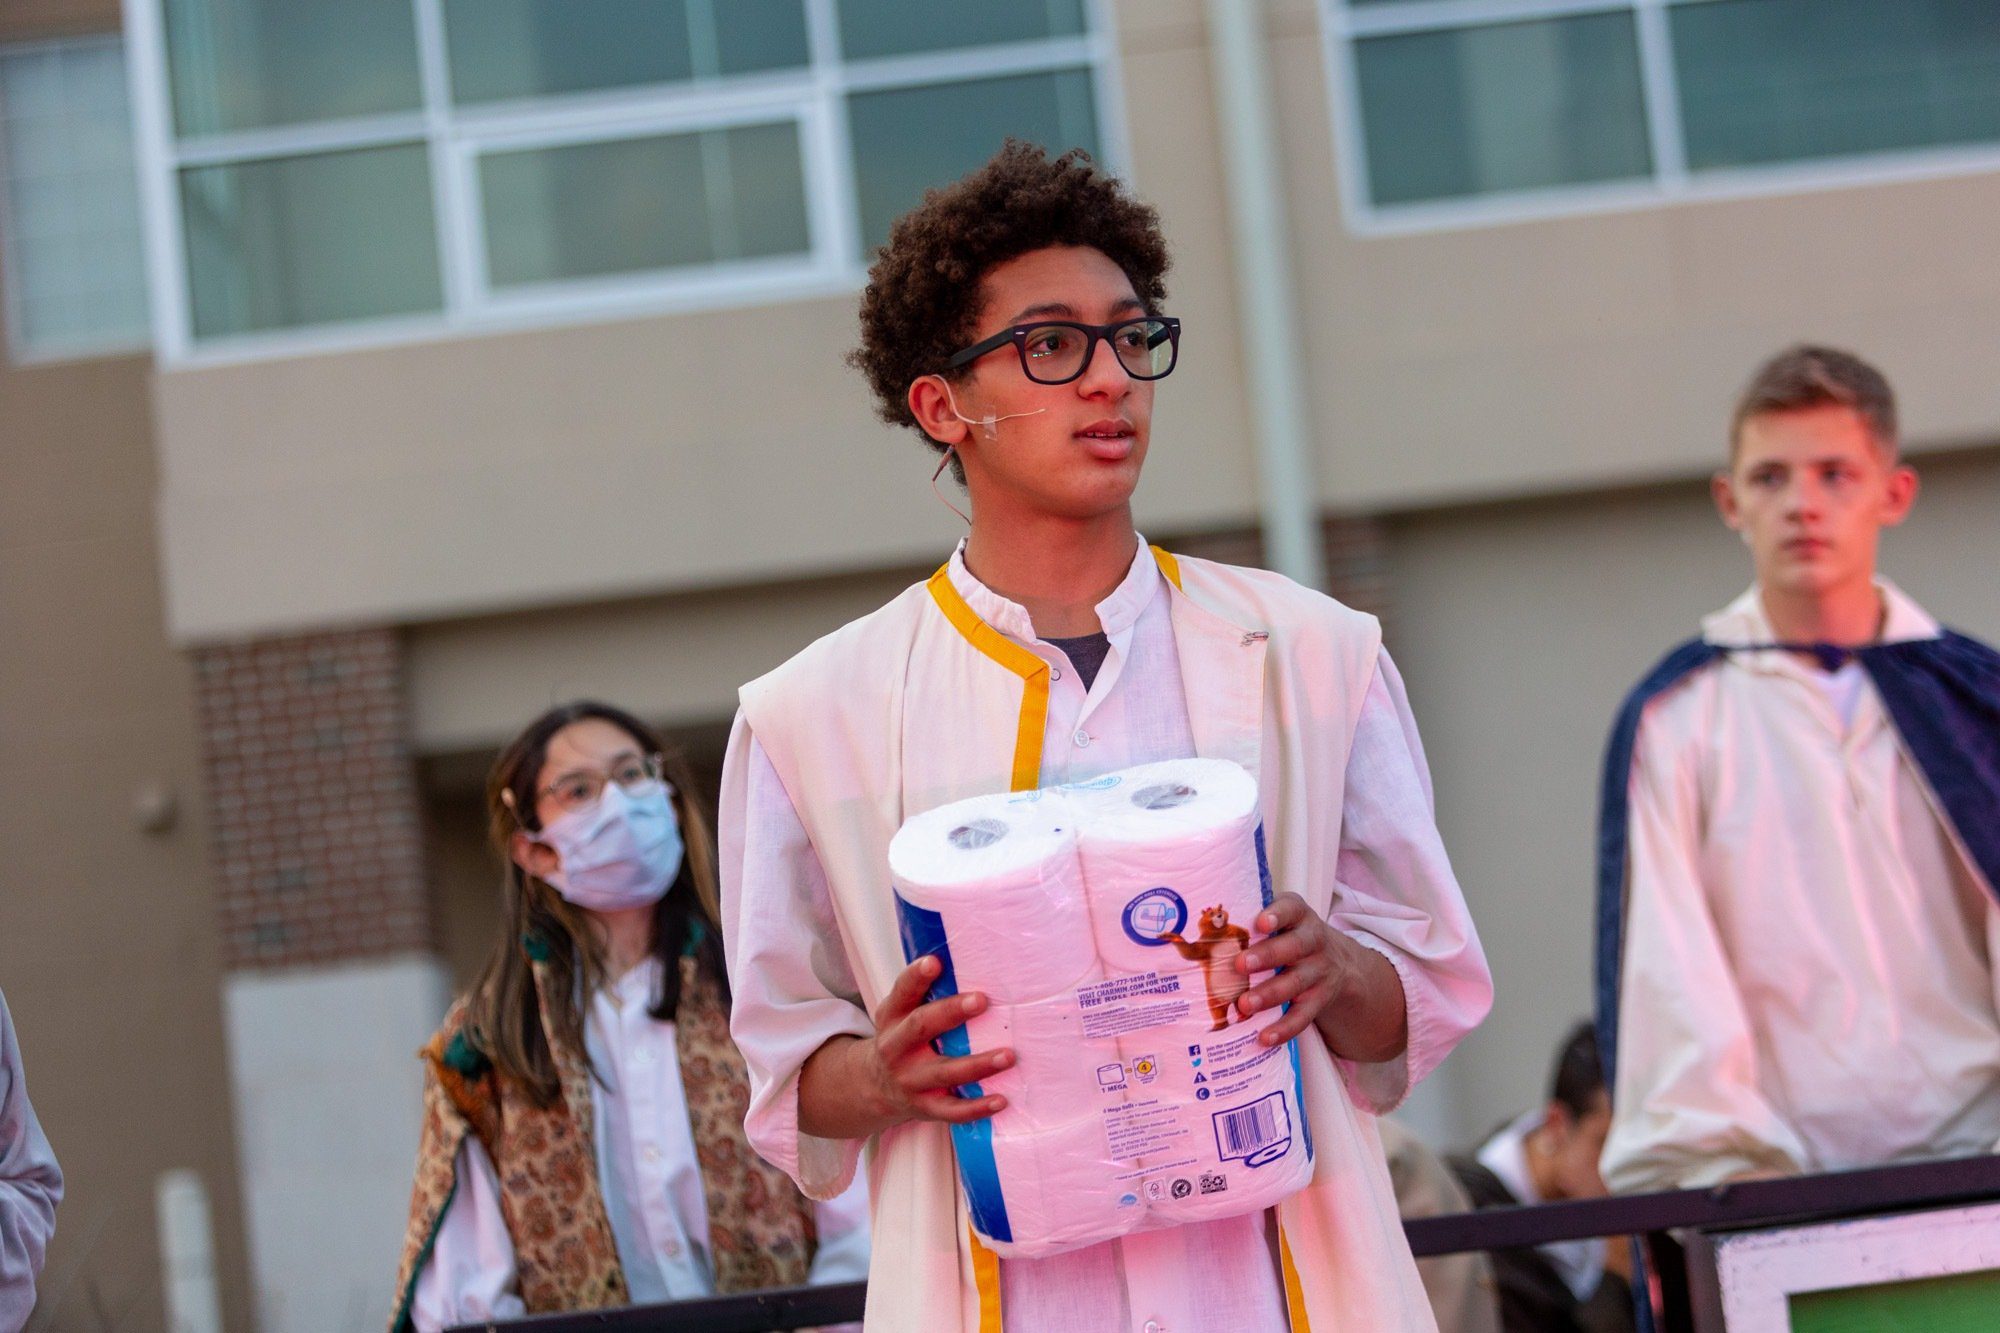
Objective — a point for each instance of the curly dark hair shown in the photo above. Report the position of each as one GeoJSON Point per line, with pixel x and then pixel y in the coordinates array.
{"type": "Point", "coordinates": [924, 288]}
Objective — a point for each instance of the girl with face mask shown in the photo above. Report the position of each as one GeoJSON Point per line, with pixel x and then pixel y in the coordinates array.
{"type": "Point", "coordinates": [583, 1137]}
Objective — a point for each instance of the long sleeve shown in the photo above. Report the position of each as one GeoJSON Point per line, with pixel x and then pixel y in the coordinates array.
{"type": "Point", "coordinates": [1395, 893]}
{"type": "Point", "coordinates": [1686, 1109]}
{"type": "Point", "coordinates": [793, 989]}
{"type": "Point", "coordinates": [470, 1274]}
{"type": "Point", "coordinates": [31, 1185]}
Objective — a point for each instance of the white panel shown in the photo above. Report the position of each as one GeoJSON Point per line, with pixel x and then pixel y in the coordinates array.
{"type": "Point", "coordinates": [328, 1096]}
{"type": "Point", "coordinates": [187, 1253]}
{"type": "Point", "coordinates": [1760, 1270]}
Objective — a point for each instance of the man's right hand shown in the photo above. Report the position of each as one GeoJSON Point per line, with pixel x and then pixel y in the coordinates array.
{"type": "Point", "coordinates": [853, 1087]}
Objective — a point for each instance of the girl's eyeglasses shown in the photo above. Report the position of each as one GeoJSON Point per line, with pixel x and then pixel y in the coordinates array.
{"type": "Point", "coordinates": [580, 788]}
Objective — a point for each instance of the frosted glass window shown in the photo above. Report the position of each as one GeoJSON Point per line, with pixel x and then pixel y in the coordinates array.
{"type": "Point", "coordinates": [897, 27]}
{"type": "Point", "coordinates": [286, 242]}
{"type": "Point", "coordinates": [502, 49]}
{"type": "Point", "coordinates": [371, 162]}
{"type": "Point", "coordinates": [1790, 80]}
{"type": "Point", "coordinates": [908, 140]}
{"type": "Point", "coordinates": [255, 64]}
{"type": "Point", "coordinates": [75, 273]}
{"type": "Point", "coordinates": [1508, 106]}
{"type": "Point", "coordinates": [641, 204]}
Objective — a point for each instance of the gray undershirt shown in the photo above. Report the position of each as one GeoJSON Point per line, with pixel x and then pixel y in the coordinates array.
{"type": "Point", "coordinates": [1086, 653]}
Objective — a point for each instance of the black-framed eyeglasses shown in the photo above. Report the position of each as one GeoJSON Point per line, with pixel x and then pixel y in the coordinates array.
{"type": "Point", "coordinates": [1056, 351]}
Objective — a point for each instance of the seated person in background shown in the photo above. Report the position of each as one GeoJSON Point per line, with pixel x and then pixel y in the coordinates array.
{"type": "Point", "coordinates": [1796, 959]}
{"type": "Point", "coordinates": [1548, 1156]}
{"type": "Point", "coordinates": [1460, 1286]}
{"type": "Point", "coordinates": [583, 1107]}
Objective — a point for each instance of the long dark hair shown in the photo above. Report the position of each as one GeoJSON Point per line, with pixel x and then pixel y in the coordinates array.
{"type": "Point", "coordinates": [504, 1014]}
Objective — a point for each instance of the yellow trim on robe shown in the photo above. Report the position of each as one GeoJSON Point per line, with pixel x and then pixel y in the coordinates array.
{"type": "Point", "coordinates": [1295, 1294]}
{"type": "Point", "coordinates": [986, 1276]}
{"type": "Point", "coordinates": [1032, 670]}
{"type": "Point", "coordinates": [1034, 674]}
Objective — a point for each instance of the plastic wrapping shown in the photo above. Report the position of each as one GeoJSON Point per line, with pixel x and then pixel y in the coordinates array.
{"type": "Point", "coordinates": [1102, 921]}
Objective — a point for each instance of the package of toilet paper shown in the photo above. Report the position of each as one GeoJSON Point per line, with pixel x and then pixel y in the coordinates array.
{"type": "Point", "coordinates": [1103, 922]}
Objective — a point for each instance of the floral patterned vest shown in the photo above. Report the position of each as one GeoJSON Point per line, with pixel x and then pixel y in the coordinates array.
{"type": "Point", "coordinates": [760, 1228]}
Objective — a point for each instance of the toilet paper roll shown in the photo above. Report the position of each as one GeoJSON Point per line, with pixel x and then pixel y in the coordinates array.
{"type": "Point", "coordinates": [1252, 1153]}
{"type": "Point", "coordinates": [1002, 877]}
{"type": "Point", "coordinates": [1061, 1191]}
{"type": "Point", "coordinates": [1054, 1080]}
{"type": "Point", "coordinates": [1173, 876]}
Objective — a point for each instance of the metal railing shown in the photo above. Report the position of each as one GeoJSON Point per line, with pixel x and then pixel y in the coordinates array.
{"type": "Point", "coordinates": [1755, 1203]}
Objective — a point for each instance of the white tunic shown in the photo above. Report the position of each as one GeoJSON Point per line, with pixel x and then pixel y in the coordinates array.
{"type": "Point", "coordinates": [1397, 895]}
{"type": "Point", "coordinates": [647, 1173]}
{"type": "Point", "coordinates": [1808, 979]}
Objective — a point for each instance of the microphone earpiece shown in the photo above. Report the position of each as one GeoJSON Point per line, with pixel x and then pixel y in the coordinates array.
{"type": "Point", "coordinates": [987, 422]}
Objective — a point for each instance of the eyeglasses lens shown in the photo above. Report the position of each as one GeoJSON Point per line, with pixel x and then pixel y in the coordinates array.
{"type": "Point", "coordinates": [580, 790]}
{"type": "Point", "coordinates": [1056, 353]}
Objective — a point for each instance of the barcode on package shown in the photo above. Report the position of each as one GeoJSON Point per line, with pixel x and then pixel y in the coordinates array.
{"type": "Point", "coordinates": [1246, 1130]}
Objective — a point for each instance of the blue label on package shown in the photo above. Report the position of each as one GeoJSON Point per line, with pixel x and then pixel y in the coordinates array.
{"type": "Point", "coordinates": [923, 933]}
{"type": "Point", "coordinates": [1153, 915]}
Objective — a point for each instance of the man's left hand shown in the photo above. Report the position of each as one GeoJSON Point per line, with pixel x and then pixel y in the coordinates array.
{"type": "Point", "coordinates": [1318, 965]}
{"type": "Point", "coordinates": [1348, 989]}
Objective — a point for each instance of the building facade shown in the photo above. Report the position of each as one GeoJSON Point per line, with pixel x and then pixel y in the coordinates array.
{"type": "Point", "coordinates": [496, 359]}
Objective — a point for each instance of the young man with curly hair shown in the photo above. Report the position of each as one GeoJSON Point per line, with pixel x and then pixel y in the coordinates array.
{"type": "Point", "coordinates": [1015, 319]}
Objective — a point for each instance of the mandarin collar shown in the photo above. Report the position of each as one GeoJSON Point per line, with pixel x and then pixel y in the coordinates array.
{"type": "Point", "coordinates": [1117, 613]}
{"type": "Point", "coordinates": [1745, 621]}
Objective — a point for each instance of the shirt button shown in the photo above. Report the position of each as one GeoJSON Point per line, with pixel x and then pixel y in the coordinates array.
{"type": "Point", "coordinates": [1155, 1326]}
{"type": "Point", "coordinates": [652, 1153]}
{"type": "Point", "coordinates": [1055, 673]}
{"type": "Point", "coordinates": [672, 1249]}
{"type": "Point", "coordinates": [1082, 738]}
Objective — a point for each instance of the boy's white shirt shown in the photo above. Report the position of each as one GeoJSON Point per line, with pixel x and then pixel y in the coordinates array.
{"type": "Point", "coordinates": [812, 937]}
{"type": "Point", "coordinates": [1808, 980]}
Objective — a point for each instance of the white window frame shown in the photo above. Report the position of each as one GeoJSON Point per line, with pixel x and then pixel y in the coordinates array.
{"type": "Point", "coordinates": [1671, 182]}
{"type": "Point", "coordinates": [813, 96]}
{"type": "Point", "coordinates": [19, 350]}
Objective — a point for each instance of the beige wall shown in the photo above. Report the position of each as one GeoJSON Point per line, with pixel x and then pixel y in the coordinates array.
{"type": "Point", "coordinates": [674, 660]}
{"type": "Point", "coordinates": [1518, 629]}
{"type": "Point", "coordinates": [1499, 360]}
{"type": "Point", "coordinates": [108, 941]}
{"type": "Point", "coordinates": [108, 947]}
{"type": "Point", "coordinates": [730, 446]}
{"type": "Point", "coordinates": [28, 20]}
{"type": "Point", "coordinates": [493, 473]}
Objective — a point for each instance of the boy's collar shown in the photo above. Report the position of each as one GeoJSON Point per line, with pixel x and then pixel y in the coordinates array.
{"type": "Point", "coordinates": [1118, 612]}
{"type": "Point", "coordinates": [1744, 621]}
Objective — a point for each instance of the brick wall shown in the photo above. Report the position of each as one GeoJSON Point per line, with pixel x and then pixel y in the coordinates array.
{"type": "Point", "coordinates": [312, 791]}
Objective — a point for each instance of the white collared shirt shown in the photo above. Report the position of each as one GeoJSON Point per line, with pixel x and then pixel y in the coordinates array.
{"type": "Point", "coordinates": [647, 1174]}
{"type": "Point", "coordinates": [1396, 894]}
{"type": "Point", "coordinates": [1808, 980]}
{"type": "Point", "coordinates": [1579, 1263]}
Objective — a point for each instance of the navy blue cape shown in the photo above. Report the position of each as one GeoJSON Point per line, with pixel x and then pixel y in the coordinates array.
{"type": "Point", "coordinates": [1943, 697]}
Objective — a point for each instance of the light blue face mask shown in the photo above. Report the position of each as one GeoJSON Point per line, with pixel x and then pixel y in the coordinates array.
{"type": "Point", "coordinates": [620, 853]}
